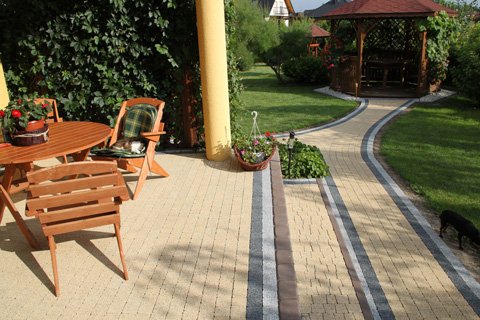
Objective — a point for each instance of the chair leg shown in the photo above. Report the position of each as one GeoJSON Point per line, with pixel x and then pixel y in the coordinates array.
{"type": "Point", "coordinates": [141, 178]}
{"type": "Point", "coordinates": [156, 168]}
{"type": "Point", "coordinates": [53, 246]}
{"type": "Point", "coordinates": [120, 248]}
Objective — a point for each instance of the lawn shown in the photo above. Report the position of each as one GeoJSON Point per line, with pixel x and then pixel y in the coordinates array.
{"type": "Point", "coordinates": [284, 107]}
{"type": "Point", "coordinates": [436, 148]}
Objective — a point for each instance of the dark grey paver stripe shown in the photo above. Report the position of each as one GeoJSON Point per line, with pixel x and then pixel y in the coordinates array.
{"type": "Point", "coordinates": [461, 278]}
{"type": "Point", "coordinates": [255, 263]}
{"type": "Point", "coordinates": [375, 289]}
{"type": "Point", "coordinates": [357, 285]}
{"type": "Point", "coordinates": [356, 112]}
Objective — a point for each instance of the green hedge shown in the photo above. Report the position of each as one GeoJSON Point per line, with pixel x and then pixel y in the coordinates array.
{"type": "Point", "coordinates": [307, 69]}
{"type": "Point", "coordinates": [92, 54]}
{"type": "Point", "coordinates": [307, 161]}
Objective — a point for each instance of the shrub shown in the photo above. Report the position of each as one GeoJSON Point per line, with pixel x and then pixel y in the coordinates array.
{"type": "Point", "coordinates": [307, 161]}
{"type": "Point", "coordinates": [306, 69]}
{"type": "Point", "coordinates": [467, 71]}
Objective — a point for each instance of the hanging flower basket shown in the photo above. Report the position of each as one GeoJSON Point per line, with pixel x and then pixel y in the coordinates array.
{"type": "Point", "coordinates": [255, 152]}
{"type": "Point", "coordinates": [247, 166]}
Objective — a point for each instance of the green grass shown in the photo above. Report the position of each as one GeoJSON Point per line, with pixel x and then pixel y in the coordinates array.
{"type": "Point", "coordinates": [436, 148]}
{"type": "Point", "coordinates": [283, 107]}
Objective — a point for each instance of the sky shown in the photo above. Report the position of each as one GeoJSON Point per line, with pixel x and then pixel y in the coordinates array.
{"type": "Point", "coordinates": [301, 5]}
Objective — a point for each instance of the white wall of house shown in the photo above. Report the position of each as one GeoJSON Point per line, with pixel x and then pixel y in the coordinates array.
{"type": "Point", "coordinates": [279, 9]}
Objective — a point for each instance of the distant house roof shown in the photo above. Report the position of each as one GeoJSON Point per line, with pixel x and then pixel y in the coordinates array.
{"type": "Point", "coordinates": [387, 9]}
{"type": "Point", "coordinates": [324, 9]}
{"type": "Point", "coordinates": [277, 8]}
{"type": "Point", "coordinates": [318, 32]}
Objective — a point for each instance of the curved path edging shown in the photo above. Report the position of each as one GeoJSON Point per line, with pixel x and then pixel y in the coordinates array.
{"type": "Point", "coordinates": [464, 282]}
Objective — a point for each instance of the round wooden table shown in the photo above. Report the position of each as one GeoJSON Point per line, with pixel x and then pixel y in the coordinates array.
{"type": "Point", "coordinates": [74, 138]}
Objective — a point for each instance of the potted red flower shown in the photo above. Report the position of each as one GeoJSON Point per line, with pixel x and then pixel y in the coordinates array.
{"type": "Point", "coordinates": [24, 121]}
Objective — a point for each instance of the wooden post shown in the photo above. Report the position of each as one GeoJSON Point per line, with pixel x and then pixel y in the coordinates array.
{"type": "Point", "coordinates": [422, 65]}
{"type": "Point", "coordinates": [188, 101]}
{"type": "Point", "coordinates": [361, 35]}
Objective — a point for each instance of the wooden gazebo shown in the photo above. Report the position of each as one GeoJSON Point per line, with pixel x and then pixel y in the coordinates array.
{"type": "Point", "coordinates": [389, 56]}
{"type": "Point", "coordinates": [317, 34]}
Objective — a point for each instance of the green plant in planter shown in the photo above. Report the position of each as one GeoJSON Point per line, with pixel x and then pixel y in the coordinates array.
{"type": "Point", "coordinates": [307, 161]}
{"type": "Point", "coordinates": [18, 113]}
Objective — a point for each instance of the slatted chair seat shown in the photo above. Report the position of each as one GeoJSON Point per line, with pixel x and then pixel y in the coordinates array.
{"type": "Point", "coordinates": [76, 196]}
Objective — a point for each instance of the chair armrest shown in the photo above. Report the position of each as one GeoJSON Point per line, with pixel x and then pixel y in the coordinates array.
{"type": "Point", "coordinates": [152, 136]}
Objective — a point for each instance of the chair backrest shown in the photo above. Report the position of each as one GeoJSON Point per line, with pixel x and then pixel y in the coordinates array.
{"type": "Point", "coordinates": [53, 116]}
{"type": "Point", "coordinates": [145, 106]}
{"type": "Point", "coordinates": [75, 196]}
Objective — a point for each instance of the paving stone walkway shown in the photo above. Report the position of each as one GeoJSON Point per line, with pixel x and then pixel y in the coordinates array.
{"type": "Point", "coordinates": [405, 276]}
{"type": "Point", "coordinates": [186, 244]}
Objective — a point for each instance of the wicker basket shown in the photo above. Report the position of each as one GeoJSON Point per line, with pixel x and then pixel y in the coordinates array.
{"type": "Point", "coordinates": [252, 166]}
{"type": "Point", "coordinates": [29, 138]}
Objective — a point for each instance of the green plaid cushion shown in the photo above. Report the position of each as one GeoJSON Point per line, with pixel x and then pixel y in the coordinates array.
{"type": "Point", "coordinates": [139, 118]}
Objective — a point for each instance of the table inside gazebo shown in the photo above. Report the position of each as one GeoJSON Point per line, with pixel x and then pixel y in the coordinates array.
{"type": "Point", "coordinates": [386, 65]}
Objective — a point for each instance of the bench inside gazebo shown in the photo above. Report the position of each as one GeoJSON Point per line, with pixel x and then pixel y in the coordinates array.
{"type": "Point", "coordinates": [382, 50]}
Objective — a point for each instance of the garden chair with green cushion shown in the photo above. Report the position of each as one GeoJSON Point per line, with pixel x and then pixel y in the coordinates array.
{"type": "Point", "coordinates": [138, 119]}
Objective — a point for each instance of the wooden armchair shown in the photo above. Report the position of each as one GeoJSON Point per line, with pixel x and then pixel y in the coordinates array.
{"type": "Point", "coordinates": [76, 196]}
{"type": "Point", "coordinates": [145, 160]}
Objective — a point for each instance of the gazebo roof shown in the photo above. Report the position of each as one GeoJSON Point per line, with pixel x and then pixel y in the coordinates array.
{"type": "Point", "coordinates": [388, 9]}
{"type": "Point", "coordinates": [318, 32]}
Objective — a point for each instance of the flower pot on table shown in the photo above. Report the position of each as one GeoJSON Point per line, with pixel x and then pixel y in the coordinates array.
{"type": "Point", "coordinates": [28, 137]}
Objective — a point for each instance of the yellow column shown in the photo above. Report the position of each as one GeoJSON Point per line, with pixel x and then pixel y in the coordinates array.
{"type": "Point", "coordinates": [3, 89]}
{"type": "Point", "coordinates": [213, 65]}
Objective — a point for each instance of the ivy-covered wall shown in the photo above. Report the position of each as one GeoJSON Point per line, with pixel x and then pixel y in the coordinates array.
{"type": "Point", "coordinates": [92, 54]}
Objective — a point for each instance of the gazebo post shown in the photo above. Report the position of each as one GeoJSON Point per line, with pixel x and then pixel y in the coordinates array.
{"type": "Point", "coordinates": [361, 35]}
{"type": "Point", "coordinates": [422, 65]}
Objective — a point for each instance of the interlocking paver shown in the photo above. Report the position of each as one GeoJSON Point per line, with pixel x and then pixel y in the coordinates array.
{"type": "Point", "coordinates": [324, 286]}
{"type": "Point", "coordinates": [186, 242]}
{"type": "Point", "coordinates": [404, 266]}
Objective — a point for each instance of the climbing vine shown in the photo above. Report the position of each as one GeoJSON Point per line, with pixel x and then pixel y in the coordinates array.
{"type": "Point", "coordinates": [92, 54]}
{"type": "Point", "coordinates": [442, 31]}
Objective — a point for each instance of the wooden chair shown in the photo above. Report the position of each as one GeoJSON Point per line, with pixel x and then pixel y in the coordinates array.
{"type": "Point", "coordinates": [53, 116]}
{"type": "Point", "coordinates": [144, 161]}
{"type": "Point", "coordinates": [76, 196]}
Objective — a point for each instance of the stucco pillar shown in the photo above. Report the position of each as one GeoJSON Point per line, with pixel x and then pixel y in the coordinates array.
{"type": "Point", "coordinates": [3, 89]}
{"type": "Point", "coordinates": [213, 66]}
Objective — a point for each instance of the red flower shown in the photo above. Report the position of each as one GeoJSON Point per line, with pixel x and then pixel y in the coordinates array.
{"type": "Point", "coordinates": [44, 105]}
{"type": "Point", "coordinates": [16, 113]}
{"type": "Point", "coordinates": [267, 134]}
{"type": "Point", "coordinates": [2, 113]}
{"type": "Point", "coordinates": [19, 101]}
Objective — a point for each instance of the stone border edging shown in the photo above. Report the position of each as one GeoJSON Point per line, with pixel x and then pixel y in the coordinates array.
{"type": "Point", "coordinates": [461, 278]}
{"type": "Point", "coordinates": [368, 314]}
{"type": "Point", "coordinates": [288, 303]}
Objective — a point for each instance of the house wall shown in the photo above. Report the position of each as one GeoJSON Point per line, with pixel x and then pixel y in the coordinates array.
{"type": "Point", "coordinates": [279, 9]}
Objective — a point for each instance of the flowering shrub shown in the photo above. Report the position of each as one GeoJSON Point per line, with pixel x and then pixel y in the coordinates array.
{"type": "Point", "coordinates": [256, 149]}
{"type": "Point", "coordinates": [19, 112]}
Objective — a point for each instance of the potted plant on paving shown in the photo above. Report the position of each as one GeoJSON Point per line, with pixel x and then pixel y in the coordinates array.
{"type": "Point", "coordinates": [23, 121]}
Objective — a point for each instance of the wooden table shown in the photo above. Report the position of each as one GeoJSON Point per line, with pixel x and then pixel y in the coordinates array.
{"type": "Point", "coordinates": [386, 65]}
{"type": "Point", "coordinates": [74, 138]}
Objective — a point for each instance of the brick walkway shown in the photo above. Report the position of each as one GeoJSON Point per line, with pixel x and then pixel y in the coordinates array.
{"type": "Point", "coordinates": [324, 286]}
{"type": "Point", "coordinates": [410, 279]}
{"type": "Point", "coordinates": [186, 243]}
